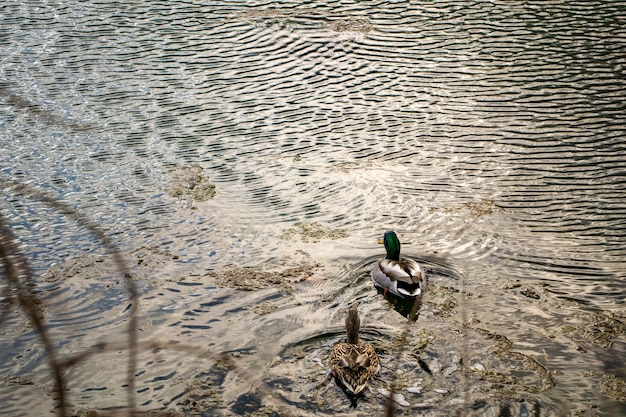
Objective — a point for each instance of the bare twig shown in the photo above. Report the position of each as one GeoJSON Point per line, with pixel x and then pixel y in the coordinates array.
{"type": "Point", "coordinates": [15, 266]}
{"type": "Point", "coordinates": [43, 114]}
{"type": "Point", "coordinates": [10, 250]}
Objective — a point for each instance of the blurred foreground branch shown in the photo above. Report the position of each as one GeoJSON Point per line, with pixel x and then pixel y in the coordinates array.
{"type": "Point", "coordinates": [19, 274]}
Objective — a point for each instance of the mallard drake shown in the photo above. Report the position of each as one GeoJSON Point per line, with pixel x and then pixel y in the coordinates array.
{"type": "Point", "coordinates": [352, 363]}
{"type": "Point", "coordinates": [400, 276]}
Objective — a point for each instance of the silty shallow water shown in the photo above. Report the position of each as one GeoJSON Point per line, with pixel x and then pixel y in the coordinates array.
{"type": "Point", "coordinates": [489, 135]}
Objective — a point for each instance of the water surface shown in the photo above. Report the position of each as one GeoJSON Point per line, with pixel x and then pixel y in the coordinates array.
{"type": "Point", "coordinates": [246, 158]}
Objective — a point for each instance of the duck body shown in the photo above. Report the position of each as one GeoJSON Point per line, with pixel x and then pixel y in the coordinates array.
{"type": "Point", "coordinates": [403, 277]}
{"type": "Point", "coordinates": [352, 363]}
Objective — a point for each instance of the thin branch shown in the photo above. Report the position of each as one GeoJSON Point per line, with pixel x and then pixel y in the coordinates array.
{"type": "Point", "coordinates": [16, 265]}
{"type": "Point", "coordinates": [10, 185]}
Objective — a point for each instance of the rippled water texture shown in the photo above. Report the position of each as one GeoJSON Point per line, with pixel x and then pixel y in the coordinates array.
{"type": "Point", "coordinates": [246, 157]}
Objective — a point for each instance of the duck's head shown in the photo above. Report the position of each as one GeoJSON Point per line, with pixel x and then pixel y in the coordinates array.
{"type": "Point", "coordinates": [353, 323]}
{"type": "Point", "coordinates": [392, 245]}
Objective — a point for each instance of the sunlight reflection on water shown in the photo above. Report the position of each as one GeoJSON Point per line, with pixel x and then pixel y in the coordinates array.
{"type": "Point", "coordinates": [247, 158]}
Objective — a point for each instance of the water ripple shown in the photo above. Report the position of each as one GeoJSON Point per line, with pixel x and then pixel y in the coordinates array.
{"type": "Point", "coordinates": [489, 135]}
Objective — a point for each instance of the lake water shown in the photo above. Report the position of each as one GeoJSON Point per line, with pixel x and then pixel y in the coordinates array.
{"type": "Point", "coordinates": [246, 157]}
